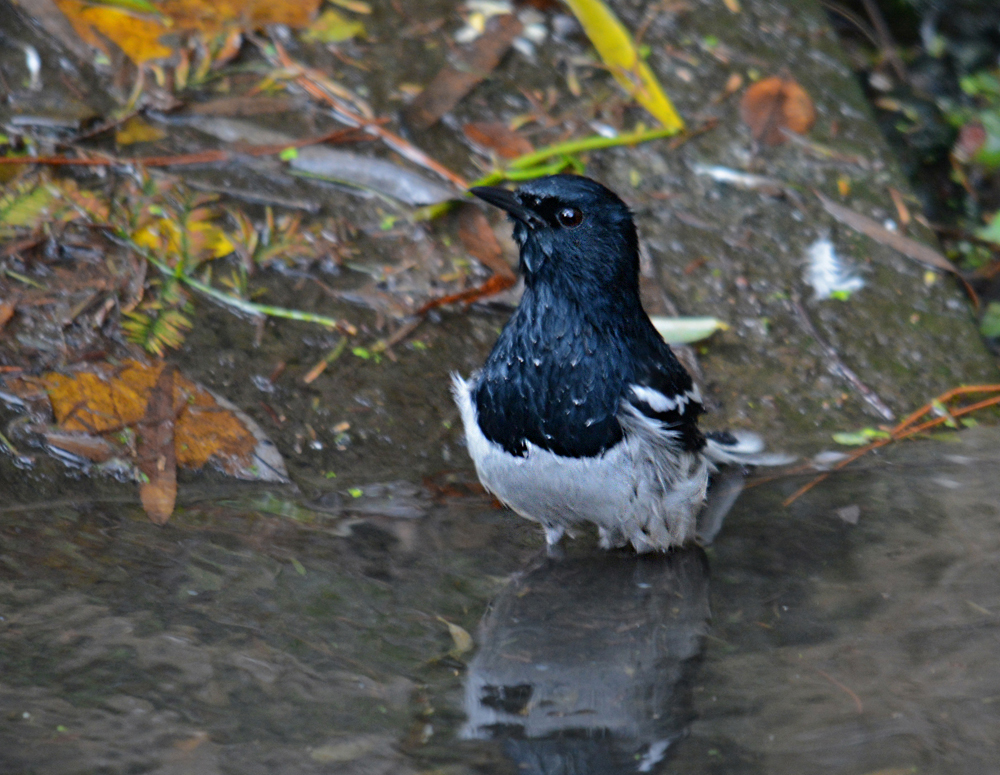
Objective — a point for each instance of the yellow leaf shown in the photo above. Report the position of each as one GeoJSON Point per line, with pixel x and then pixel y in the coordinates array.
{"type": "Point", "coordinates": [614, 44]}
{"type": "Point", "coordinates": [459, 636]}
{"type": "Point", "coordinates": [206, 236]}
{"type": "Point", "coordinates": [148, 237]}
{"type": "Point", "coordinates": [135, 130]}
{"type": "Point", "coordinates": [138, 37]}
{"type": "Point", "coordinates": [215, 16]}
{"type": "Point", "coordinates": [332, 27]}
{"type": "Point", "coordinates": [29, 206]}
{"type": "Point", "coordinates": [353, 5]}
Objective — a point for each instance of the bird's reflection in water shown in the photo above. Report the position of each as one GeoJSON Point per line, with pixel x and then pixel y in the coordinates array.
{"type": "Point", "coordinates": [585, 665]}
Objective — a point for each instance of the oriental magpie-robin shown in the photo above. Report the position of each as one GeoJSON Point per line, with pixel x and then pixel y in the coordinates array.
{"type": "Point", "coordinates": [582, 413]}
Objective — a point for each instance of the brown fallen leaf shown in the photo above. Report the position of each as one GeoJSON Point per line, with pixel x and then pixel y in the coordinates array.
{"type": "Point", "coordinates": [478, 238]}
{"type": "Point", "coordinates": [971, 139]}
{"type": "Point", "coordinates": [82, 445]}
{"type": "Point", "coordinates": [910, 248]}
{"type": "Point", "coordinates": [496, 137]}
{"type": "Point", "coordinates": [473, 64]}
{"type": "Point", "coordinates": [156, 458]}
{"type": "Point", "coordinates": [6, 313]}
{"type": "Point", "coordinates": [257, 105]}
{"type": "Point", "coordinates": [776, 104]}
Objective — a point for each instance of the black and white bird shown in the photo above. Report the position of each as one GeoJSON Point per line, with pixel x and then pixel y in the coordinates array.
{"type": "Point", "coordinates": [582, 413]}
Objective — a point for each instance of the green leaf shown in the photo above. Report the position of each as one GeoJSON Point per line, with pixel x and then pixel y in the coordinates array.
{"type": "Point", "coordinates": [25, 208]}
{"type": "Point", "coordinates": [991, 232]}
{"type": "Point", "coordinates": [981, 83]}
{"type": "Point", "coordinates": [990, 324]}
{"type": "Point", "coordinates": [989, 154]}
{"type": "Point", "coordinates": [332, 27]}
{"type": "Point", "coordinates": [860, 438]}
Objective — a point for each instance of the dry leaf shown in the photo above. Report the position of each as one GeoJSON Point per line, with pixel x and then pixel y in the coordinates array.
{"type": "Point", "coordinates": [136, 130]}
{"type": "Point", "coordinates": [733, 84]}
{"type": "Point", "coordinates": [82, 445]}
{"type": "Point", "coordinates": [910, 248]}
{"type": "Point", "coordinates": [353, 5]}
{"type": "Point", "coordinates": [219, 15]}
{"type": "Point", "coordinates": [459, 636]}
{"type": "Point", "coordinates": [473, 64]}
{"type": "Point", "coordinates": [156, 457]}
{"type": "Point", "coordinates": [104, 400]}
{"type": "Point", "coordinates": [496, 137]}
{"type": "Point", "coordinates": [776, 104]}
{"type": "Point", "coordinates": [139, 35]}
{"type": "Point", "coordinates": [478, 238]}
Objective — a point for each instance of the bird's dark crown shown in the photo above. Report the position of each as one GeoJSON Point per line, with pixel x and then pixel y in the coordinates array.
{"type": "Point", "coordinates": [573, 229]}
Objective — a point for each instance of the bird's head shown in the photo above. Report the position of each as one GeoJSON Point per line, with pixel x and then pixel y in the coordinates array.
{"type": "Point", "coordinates": [572, 231]}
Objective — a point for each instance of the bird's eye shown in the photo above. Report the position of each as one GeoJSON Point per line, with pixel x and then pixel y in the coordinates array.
{"type": "Point", "coordinates": [569, 217]}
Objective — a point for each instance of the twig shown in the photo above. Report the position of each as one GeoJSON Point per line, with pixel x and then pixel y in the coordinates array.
{"type": "Point", "coordinates": [200, 157]}
{"type": "Point", "coordinates": [494, 284]}
{"type": "Point", "coordinates": [243, 305]}
{"type": "Point", "coordinates": [859, 24]}
{"type": "Point", "coordinates": [312, 81]}
{"type": "Point", "coordinates": [906, 428]}
{"type": "Point", "coordinates": [886, 43]}
{"type": "Point", "coordinates": [838, 367]}
{"type": "Point", "coordinates": [846, 689]}
{"type": "Point", "coordinates": [329, 358]}
{"type": "Point", "coordinates": [6, 444]}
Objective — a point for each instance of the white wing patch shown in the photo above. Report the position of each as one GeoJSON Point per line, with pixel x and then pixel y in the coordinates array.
{"type": "Point", "coordinates": [660, 403]}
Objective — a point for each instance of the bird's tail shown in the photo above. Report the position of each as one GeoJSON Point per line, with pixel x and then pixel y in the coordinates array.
{"type": "Point", "coordinates": [741, 448]}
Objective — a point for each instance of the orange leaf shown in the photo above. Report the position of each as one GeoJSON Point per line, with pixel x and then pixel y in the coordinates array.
{"type": "Point", "coordinates": [138, 37]}
{"type": "Point", "coordinates": [777, 104]}
{"type": "Point", "coordinates": [106, 400]}
{"type": "Point", "coordinates": [219, 15]}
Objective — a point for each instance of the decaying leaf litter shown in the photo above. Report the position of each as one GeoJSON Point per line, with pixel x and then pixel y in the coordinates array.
{"type": "Point", "coordinates": [180, 233]}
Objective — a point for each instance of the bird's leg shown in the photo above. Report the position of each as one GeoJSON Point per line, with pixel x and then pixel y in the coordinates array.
{"type": "Point", "coordinates": [553, 535]}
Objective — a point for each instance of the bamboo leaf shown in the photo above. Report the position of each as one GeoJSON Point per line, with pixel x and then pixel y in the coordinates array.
{"type": "Point", "coordinates": [686, 330]}
{"type": "Point", "coordinates": [616, 47]}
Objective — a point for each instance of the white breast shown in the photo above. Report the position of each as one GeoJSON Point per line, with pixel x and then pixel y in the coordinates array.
{"type": "Point", "coordinates": [645, 490]}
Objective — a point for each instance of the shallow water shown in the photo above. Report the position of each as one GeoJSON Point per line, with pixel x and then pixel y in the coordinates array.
{"type": "Point", "coordinates": [854, 632]}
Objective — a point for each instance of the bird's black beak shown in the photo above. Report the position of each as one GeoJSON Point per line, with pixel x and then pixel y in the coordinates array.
{"type": "Point", "coordinates": [509, 203]}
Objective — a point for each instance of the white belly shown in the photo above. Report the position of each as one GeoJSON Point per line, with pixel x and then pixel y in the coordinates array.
{"type": "Point", "coordinates": [644, 490]}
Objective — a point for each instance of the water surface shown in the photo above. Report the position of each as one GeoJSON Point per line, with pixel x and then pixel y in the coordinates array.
{"type": "Point", "coordinates": [853, 632]}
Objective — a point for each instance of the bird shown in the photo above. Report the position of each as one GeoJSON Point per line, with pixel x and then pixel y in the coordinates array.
{"type": "Point", "coordinates": [582, 412]}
